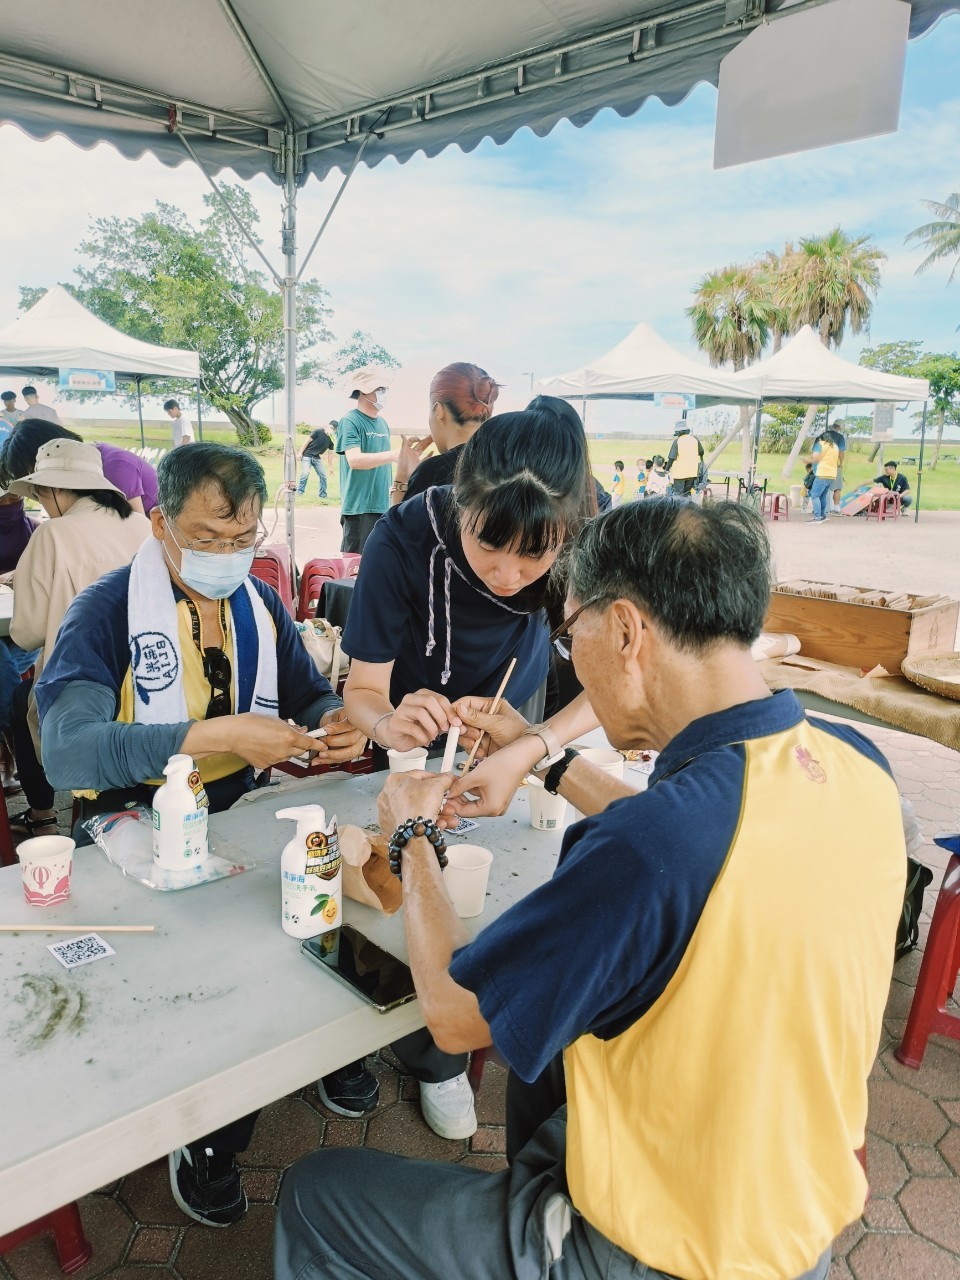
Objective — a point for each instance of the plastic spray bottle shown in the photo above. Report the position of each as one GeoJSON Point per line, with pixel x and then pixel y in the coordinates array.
{"type": "Point", "coordinates": [311, 874]}
{"type": "Point", "coordinates": [180, 817]}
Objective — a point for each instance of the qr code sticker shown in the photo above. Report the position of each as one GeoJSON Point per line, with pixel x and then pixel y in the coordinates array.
{"type": "Point", "coordinates": [83, 950]}
{"type": "Point", "coordinates": [463, 826]}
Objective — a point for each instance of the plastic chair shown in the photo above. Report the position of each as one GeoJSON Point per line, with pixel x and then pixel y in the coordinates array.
{"type": "Point", "coordinates": [272, 565]}
{"type": "Point", "coordinates": [73, 1249]}
{"type": "Point", "coordinates": [8, 854]}
{"type": "Point", "coordinates": [351, 564]}
{"type": "Point", "coordinates": [780, 506]}
{"type": "Point", "coordinates": [315, 574]}
{"type": "Point", "coordinates": [885, 506]}
{"type": "Point", "coordinates": [938, 969]}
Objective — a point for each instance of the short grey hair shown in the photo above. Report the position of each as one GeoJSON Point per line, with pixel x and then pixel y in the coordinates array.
{"type": "Point", "coordinates": [235, 473]}
{"type": "Point", "coordinates": [702, 573]}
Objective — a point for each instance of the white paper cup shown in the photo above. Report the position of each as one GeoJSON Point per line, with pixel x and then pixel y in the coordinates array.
{"type": "Point", "coordinates": [547, 811]}
{"type": "Point", "coordinates": [604, 758]}
{"type": "Point", "coordinates": [466, 875]}
{"type": "Point", "coordinates": [45, 866]}
{"type": "Point", "coordinates": [407, 761]}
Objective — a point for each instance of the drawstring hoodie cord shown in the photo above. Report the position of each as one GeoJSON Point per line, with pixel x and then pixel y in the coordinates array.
{"type": "Point", "coordinates": [449, 567]}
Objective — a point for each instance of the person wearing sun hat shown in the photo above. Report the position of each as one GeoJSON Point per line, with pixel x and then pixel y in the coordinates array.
{"type": "Point", "coordinates": [91, 530]}
{"type": "Point", "coordinates": [363, 446]}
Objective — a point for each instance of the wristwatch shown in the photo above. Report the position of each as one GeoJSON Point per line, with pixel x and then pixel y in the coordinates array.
{"type": "Point", "coordinates": [550, 741]}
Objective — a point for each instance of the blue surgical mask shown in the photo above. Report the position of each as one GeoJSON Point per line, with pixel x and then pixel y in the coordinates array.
{"type": "Point", "coordinates": [211, 574]}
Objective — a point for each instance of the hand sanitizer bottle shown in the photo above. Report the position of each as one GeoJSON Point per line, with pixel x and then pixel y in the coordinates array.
{"type": "Point", "coordinates": [180, 810]}
{"type": "Point", "coordinates": [311, 874]}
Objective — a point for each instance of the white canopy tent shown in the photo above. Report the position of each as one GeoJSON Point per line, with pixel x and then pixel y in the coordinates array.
{"type": "Point", "coordinates": [58, 332]}
{"type": "Point", "coordinates": [307, 86]}
{"type": "Point", "coordinates": [805, 371]}
{"type": "Point", "coordinates": [639, 367]}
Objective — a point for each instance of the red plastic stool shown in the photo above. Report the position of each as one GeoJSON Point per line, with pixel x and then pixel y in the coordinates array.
{"type": "Point", "coordinates": [73, 1248]}
{"type": "Point", "coordinates": [938, 969]}
{"type": "Point", "coordinates": [780, 507]}
{"type": "Point", "coordinates": [8, 854]}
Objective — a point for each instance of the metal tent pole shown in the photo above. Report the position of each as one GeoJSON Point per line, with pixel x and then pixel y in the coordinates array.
{"type": "Point", "coordinates": [289, 292]}
{"type": "Point", "coordinates": [755, 452]}
{"type": "Point", "coordinates": [199, 415]}
{"type": "Point", "coordinates": [143, 442]}
{"type": "Point", "coordinates": [923, 437]}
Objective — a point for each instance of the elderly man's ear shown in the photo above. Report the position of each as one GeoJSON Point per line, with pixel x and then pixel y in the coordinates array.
{"type": "Point", "coordinates": [630, 630]}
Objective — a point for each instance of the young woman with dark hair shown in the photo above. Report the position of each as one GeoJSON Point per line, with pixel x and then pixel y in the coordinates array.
{"type": "Point", "coordinates": [453, 585]}
{"type": "Point", "coordinates": [462, 397]}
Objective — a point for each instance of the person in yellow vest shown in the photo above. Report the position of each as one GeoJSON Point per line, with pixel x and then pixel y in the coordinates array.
{"type": "Point", "coordinates": [683, 460]}
{"type": "Point", "coordinates": [688, 1018]}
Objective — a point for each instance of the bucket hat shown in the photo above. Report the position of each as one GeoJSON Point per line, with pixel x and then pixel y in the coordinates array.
{"type": "Point", "coordinates": [366, 380]}
{"type": "Point", "coordinates": [64, 464]}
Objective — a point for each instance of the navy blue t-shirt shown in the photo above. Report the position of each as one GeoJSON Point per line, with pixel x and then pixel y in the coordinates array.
{"type": "Point", "coordinates": [401, 581]}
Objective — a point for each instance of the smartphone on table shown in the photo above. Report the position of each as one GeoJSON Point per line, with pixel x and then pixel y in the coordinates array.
{"type": "Point", "coordinates": [374, 974]}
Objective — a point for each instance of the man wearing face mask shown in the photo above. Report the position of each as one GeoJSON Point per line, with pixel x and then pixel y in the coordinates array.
{"type": "Point", "coordinates": [181, 651]}
{"type": "Point", "coordinates": [363, 444]}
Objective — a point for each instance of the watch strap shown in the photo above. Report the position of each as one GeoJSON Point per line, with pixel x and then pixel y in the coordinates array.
{"type": "Point", "coordinates": [552, 744]}
{"type": "Point", "coordinates": [556, 771]}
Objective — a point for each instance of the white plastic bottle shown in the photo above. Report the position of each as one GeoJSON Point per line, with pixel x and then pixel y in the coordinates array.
{"type": "Point", "coordinates": [180, 809]}
{"type": "Point", "coordinates": [311, 874]}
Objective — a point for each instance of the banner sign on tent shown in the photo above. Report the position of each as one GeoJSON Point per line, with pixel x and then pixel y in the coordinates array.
{"type": "Point", "coordinates": [674, 400]}
{"type": "Point", "coordinates": [883, 412]}
{"type": "Point", "coordinates": [88, 380]}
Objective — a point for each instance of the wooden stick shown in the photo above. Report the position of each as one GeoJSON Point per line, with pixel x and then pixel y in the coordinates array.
{"type": "Point", "coordinates": [77, 928]}
{"type": "Point", "coordinates": [494, 708]}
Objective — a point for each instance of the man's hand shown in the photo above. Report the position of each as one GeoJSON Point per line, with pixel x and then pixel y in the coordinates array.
{"type": "Point", "coordinates": [260, 740]}
{"type": "Point", "coordinates": [500, 729]}
{"type": "Point", "coordinates": [343, 741]}
{"type": "Point", "coordinates": [420, 717]}
{"type": "Point", "coordinates": [410, 795]}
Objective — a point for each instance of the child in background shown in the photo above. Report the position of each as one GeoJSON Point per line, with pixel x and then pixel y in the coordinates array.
{"type": "Point", "coordinates": [616, 488]}
{"type": "Point", "coordinates": [808, 480]}
{"type": "Point", "coordinates": [658, 478]}
{"type": "Point", "coordinates": [642, 468]}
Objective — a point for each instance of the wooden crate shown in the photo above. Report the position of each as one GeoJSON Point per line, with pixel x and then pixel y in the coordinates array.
{"type": "Point", "coordinates": [860, 635]}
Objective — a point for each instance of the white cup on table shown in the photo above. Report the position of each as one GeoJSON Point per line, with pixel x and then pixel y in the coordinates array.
{"type": "Point", "coordinates": [607, 761]}
{"type": "Point", "coordinates": [547, 811]}
{"type": "Point", "coordinates": [46, 863]}
{"type": "Point", "coordinates": [465, 876]}
{"type": "Point", "coordinates": [407, 761]}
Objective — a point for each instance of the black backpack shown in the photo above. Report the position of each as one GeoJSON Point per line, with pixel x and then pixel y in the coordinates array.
{"type": "Point", "coordinates": [908, 930]}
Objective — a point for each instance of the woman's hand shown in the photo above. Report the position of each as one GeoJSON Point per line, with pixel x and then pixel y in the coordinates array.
{"type": "Point", "coordinates": [417, 794]}
{"type": "Point", "coordinates": [411, 455]}
{"type": "Point", "coordinates": [493, 783]}
{"type": "Point", "coordinates": [500, 729]}
{"type": "Point", "coordinates": [343, 741]}
{"type": "Point", "coordinates": [420, 717]}
{"type": "Point", "coordinates": [259, 740]}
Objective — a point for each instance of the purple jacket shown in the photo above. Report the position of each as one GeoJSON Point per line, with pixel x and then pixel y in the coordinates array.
{"type": "Point", "coordinates": [16, 528]}
{"type": "Point", "coordinates": [132, 476]}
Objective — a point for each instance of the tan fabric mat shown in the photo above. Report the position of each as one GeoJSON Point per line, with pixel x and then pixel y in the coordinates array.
{"type": "Point", "coordinates": [889, 698]}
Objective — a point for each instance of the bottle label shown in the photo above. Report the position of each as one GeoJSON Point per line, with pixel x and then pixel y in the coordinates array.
{"type": "Point", "coordinates": [323, 855]}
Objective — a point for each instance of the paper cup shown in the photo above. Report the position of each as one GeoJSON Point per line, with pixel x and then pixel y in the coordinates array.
{"type": "Point", "coordinates": [466, 875]}
{"type": "Point", "coordinates": [407, 761]}
{"type": "Point", "coordinates": [604, 758]}
{"type": "Point", "coordinates": [45, 866]}
{"type": "Point", "coordinates": [547, 811]}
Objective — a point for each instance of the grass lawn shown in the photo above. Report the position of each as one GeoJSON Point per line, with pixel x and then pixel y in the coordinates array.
{"type": "Point", "coordinates": [941, 488]}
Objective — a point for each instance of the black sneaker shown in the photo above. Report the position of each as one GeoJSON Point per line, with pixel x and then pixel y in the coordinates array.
{"type": "Point", "coordinates": [206, 1185]}
{"type": "Point", "coordinates": [352, 1091]}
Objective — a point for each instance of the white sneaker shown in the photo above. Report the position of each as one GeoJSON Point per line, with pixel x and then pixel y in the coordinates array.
{"type": "Point", "coordinates": [448, 1107]}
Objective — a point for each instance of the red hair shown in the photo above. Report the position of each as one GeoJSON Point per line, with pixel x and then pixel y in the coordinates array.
{"type": "Point", "coordinates": [468, 392]}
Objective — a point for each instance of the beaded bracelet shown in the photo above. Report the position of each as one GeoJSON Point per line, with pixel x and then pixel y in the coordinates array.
{"type": "Point", "coordinates": [412, 829]}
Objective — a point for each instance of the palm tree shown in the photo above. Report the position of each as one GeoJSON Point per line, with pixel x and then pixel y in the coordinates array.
{"type": "Point", "coordinates": [829, 283]}
{"type": "Point", "coordinates": [942, 237]}
{"type": "Point", "coordinates": [732, 315]}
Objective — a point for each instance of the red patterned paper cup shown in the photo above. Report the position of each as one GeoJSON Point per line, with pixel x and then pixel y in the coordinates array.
{"type": "Point", "coordinates": [45, 866]}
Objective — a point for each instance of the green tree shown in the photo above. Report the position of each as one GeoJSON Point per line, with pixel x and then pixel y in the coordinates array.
{"type": "Point", "coordinates": [781, 424]}
{"type": "Point", "coordinates": [943, 373]}
{"type": "Point", "coordinates": [732, 316]}
{"type": "Point", "coordinates": [829, 283]}
{"type": "Point", "coordinates": [940, 238]}
{"type": "Point", "coordinates": [158, 278]}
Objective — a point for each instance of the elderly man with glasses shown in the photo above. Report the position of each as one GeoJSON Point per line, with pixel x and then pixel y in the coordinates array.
{"type": "Point", "coordinates": [182, 651]}
{"type": "Point", "coordinates": [691, 1005]}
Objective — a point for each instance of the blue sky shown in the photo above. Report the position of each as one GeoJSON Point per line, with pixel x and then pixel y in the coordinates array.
{"type": "Point", "coordinates": [542, 253]}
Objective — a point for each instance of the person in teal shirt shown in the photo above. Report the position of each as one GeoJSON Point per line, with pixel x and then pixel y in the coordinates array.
{"type": "Point", "coordinates": [363, 446]}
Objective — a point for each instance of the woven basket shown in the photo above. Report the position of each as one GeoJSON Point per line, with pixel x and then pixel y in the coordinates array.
{"type": "Point", "coordinates": [938, 672]}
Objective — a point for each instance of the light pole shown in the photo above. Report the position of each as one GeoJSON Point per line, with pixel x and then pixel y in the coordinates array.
{"type": "Point", "coordinates": [531, 376]}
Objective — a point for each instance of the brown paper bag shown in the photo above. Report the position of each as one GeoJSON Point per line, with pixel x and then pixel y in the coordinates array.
{"type": "Point", "coordinates": [367, 877]}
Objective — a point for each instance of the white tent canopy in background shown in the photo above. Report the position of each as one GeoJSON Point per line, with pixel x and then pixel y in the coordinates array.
{"type": "Point", "coordinates": [58, 332]}
{"type": "Point", "coordinates": [806, 371]}
{"type": "Point", "coordinates": [639, 367]}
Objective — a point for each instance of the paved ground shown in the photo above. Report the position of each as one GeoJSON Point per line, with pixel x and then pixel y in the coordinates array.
{"type": "Point", "coordinates": [911, 1227]}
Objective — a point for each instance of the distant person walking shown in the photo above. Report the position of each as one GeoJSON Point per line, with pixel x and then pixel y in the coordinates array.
{"type": "Point", "coordinates": [840, 440]}
{"type": "Point", "coordinates": [35, 409]}
{"type": "Point", "coordinates": [826, 463]}
{"type": "Point", "coordinates": [316, 455]}
{"type": "Point", "coordinates": [182, 427]}
{"type": "Point", "coordinates": [894, 481]}
{"type": "Point", "coordinates": [10, 415]}
{"type": "Point", "coordinates": [658, 478]}
{"type": "Point", "coordinates": [363, 443]}
{"type": "Point", "coordinates": [616, 488]}
{"type": "Point", "coordinates": [643, 470]}
{"type": "Point", "coordinates": [683, 460]}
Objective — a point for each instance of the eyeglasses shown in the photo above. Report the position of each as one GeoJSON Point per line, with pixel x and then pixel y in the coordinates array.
{"type": "Point", "coordinates": [217, 672]}
{"type": "Point", "coordinates": [221, 546]}
{"type": "Point", "coordinates": [561, 639]}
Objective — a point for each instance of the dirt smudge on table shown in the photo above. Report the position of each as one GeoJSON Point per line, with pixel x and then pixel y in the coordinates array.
{"type": "Point", "coordinates": [50, 1009]}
